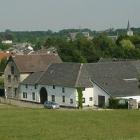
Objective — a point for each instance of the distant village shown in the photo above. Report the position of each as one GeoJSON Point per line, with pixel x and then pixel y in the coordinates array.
{"type": "Point", "coordinates": [36, 76]}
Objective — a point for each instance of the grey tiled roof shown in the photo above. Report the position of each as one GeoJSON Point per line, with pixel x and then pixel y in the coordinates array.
{"type": "Point", "coordinates": [110, 76]}
{"type": "Point", "coordinates": [66, 74]}
{"type": "Point", "coordinates": [33, 78]}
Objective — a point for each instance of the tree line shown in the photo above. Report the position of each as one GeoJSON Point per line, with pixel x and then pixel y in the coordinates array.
{"type": "Point", "coordinates": [84, 50]}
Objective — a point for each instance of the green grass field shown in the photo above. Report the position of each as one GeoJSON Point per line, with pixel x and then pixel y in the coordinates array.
{"type": "Point", "coordinates": [42, 124]}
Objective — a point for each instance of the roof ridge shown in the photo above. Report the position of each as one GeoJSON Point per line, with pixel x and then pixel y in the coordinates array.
{"type": "Point", "coordinates": [43, 72]}
{"type": "Point", "coordinates": [79, 73]}
{"type": "Point", "coordinates": [37, 81]}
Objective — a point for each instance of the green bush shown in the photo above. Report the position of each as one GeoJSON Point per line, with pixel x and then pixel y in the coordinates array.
{"type": "Point", "coordinates": [118, 103]}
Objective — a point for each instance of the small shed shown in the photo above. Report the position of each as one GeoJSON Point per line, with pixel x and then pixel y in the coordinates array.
{"type": "Point", "coordinates": [132, 104]}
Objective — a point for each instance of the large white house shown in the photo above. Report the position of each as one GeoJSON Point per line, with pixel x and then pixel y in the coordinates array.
{"type": "Point", "coordinates": [98, 81]}
{"type": "Point", "coordinates": [59, 84]}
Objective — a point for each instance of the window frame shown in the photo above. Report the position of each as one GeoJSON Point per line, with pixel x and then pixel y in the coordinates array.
{"type": "Point", "coordinates": [83, 100]}
{"type": "Point", "coordinates": [26, 86]}
{"type": "Point", "coordinates": [71, 101]}
{"type": "Point", "coordinates": [35, 86]}
{"type": "Point", "coordinates": [90, 98]}
{"type": "Point", "coordinates": [12, 70]}
{"type": "Point", "coordinates": [24, 95]}
{"type": "Point", "coordinates": [9, 78]}
{"type": "Point", "coordinates": [53, 98]}
{"type": "Point", "coordinates": [15, 78]}
{"type": "Point", "coordinates": [63, 99]}
{"type": "Point", "coordinates": [63, 89]}
{"type": "Point", "coordinates": [33, 96]}
{"type": "Point", "coordinates": [53, 86]}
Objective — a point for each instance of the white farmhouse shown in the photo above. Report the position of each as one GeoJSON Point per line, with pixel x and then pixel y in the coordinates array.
{"type": "Point", "coordinates": [98, 82]}
{"type": "Point", "coordinates": [59, 84]}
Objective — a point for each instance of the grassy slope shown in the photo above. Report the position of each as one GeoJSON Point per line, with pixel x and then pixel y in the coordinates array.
{"type": "Point", "coordinates": [41, 124]}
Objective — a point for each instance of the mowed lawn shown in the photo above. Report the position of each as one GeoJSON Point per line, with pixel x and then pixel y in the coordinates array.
{"type": "Point", "coordinates": [42, 124]}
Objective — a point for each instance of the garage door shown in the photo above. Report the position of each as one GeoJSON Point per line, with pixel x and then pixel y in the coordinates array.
{"type": "Point", "coordinates": [101, 101]}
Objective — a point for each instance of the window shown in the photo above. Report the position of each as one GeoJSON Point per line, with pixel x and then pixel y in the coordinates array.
{"type": "Point", "coordinates": [15, 78]}
{"type": "Point", "coordinates": [71, 101]}
{"type": "Point", "coordinates": [12, 69]}
{"type": "Point", "coordinates": [83, 100]}
{"type": "Point", "coordinates": [63, 99]}
{"type": "Point", "coordinates": [83, 89]}
{"type": "Point", "coordinates": [63, 90]}
{"type": "Point", "coordinates": [33, 96]}
{"type": "Point", "coordinates": [26, 86]}
{"type": "Point", "coordinates": [9, 89]}
{"type": "Point", "coordinates": [9, 78]}
{"type": "Point", "coordinates": [35, 86]}
{"type": "Point", "coordinates": [90, 99]}
{"type": "Point", "coordinates": [15, 90]}
{"type": "Point", "coordinates": [53, 98]}
{"type": "Point", "coordinates": [24, 94]}
{"type": "Point", "coordinates": [53, 86]}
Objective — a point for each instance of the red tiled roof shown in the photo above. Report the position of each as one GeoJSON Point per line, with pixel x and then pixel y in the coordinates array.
{"type": "Point", "coordinates": [4, 55]}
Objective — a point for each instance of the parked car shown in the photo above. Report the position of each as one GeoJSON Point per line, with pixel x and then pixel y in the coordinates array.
{"type": "Point", "coordinates": [51, 105]}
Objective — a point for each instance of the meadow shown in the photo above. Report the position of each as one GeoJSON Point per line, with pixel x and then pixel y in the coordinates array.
{"type": "Point", "coordinates": [18, 123]}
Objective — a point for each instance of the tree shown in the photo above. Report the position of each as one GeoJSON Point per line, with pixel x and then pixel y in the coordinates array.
{"type": "Point", "coordinates": [49, 42]}
{"type": "Point", "coordinates": [127, 44]}
{"type": "Point", "coordinates": [3, 64]}
{"type": "Point", "coordinates": [105, 45]}
{"type": "Point", "coordinates": [80, 98]}
{"type": "Point", "coordinates": [37, 46]}
{"type": "Point", "coordinates": [4, 46]}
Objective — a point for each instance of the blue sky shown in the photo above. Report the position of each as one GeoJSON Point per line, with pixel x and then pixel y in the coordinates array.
{"type": "Point", "coordinates": [60, 14]}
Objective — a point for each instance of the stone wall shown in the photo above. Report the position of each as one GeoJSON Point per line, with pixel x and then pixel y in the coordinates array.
{"type": "Point", "coordinates": [20, 103]}
{"type": "Point", "coordinates": [132, 104]}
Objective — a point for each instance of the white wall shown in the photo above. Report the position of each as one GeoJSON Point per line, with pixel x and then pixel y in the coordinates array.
{"type": "Point", "coordinates": [70, 93]}
{"type": "Point", "coordinates": [133, 97]}
{"type": "Point", "coordinates": [7, 42]}
{"type": "Point", "coordinates": [23, 76]}
{"type": "Point", "coordinates": [87, 94]}
{"type": "Point", "coordinates": [29, 90]}
{"type": "Point", "coordinates": [99, 91]}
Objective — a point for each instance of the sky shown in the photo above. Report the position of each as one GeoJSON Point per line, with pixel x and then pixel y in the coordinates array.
{"type": "Point", "coordinates": [55, 15]}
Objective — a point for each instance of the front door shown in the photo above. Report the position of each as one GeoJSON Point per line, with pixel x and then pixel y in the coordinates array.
{"type": "Point", "coordinates": [43, 95]}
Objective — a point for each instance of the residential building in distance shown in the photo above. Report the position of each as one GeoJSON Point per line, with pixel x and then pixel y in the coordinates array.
{"type": "Point", "coordinates": [7, 42]}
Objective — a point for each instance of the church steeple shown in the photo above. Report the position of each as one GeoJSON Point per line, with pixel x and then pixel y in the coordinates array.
{"type": "Point", "coordinates": [129, 31]}
{"type": "Point", "coordinates": [128, 26]}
